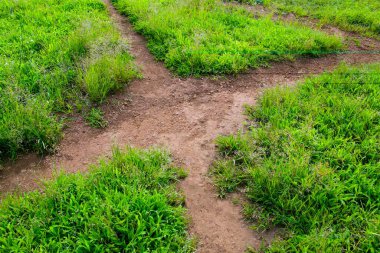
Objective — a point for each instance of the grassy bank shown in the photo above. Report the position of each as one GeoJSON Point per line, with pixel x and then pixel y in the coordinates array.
{"type": "Point", "coordinates": [310, 162]}
{"type": "Point", "coordinates": [204, 37]}
{"type": "Point", "coordinates": [55, 56]}
{"type": "Point", "coordinates": [351, 15]}
{"type": "Point", "coordinates": [126, 204]}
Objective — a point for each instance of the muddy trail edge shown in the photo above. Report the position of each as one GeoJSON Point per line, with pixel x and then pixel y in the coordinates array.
{"type": "Point", "coordinates": [182, 115]}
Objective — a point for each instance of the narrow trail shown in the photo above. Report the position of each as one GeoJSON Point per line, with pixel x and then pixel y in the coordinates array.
{"type": "Point", "coordinates": [182, 115]}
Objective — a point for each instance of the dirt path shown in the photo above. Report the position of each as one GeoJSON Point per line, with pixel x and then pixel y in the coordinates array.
{"type": "Point", "coordinates": [183, 115]}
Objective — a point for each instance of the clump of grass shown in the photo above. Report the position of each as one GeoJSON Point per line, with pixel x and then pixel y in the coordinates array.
{"type": "Point", "coordinates": [46, 47]}
{"type": "Point", "coordinates": [353, 15]}
{"type": "Point", "coordinates": [126, 204]}
{"type": "Point", "coordinates": [310, 161]}
{"type": "Point", "coordinates": [204, 37]}
{"type": "Point", "coordinates": [26, 123]}
{"type": "Point", "coordinates": [95, 118]}
{"type": "Point", "coordinates": [106, 74]}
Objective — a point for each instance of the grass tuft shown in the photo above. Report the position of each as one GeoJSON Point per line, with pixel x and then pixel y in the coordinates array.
{"type": "Point", "coordinates": [95, 118]}
{"type": "Point", "coordinates": [105, 75]}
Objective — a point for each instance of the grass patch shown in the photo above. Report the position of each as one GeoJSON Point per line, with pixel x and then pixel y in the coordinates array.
{"type": "Point", "coordinates": [352, 15]}
{"type": "Point", "coordinates": [310, 162]}
{"type": "Point", "coordinates": [205, 37]}
{"type": "Point", "coordinates": [126, 204]}
{"type": "Point", "coordinates": [54, 56]}
{"type": "Point", "coordinates": [95, 118]}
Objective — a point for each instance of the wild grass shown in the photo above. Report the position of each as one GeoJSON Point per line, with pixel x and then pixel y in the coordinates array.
{"type": "Point", "coordinates": [95, 118]}
{"type": "Point", "coordinates": [54, 55]}
{"type": "Point", "coordinates": [352, 15]}
{"type": "Point", "coordinates": [126, 204]}
{"type": "Point", "coordinates": [310, 162]}
{"type": "Point", "coordinates": [205, 37]}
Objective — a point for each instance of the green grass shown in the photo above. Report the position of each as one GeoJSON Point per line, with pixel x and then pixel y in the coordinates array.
{"type": "Point", "coordinates": [95, 118]}
{"type": "Point", "coordinates": [55, 56]}
{"type": "Point", "coordinates": [126, 204]}
{"type": "Point", "coordinates": [310, 162]}
{"type": "Point", "coordinates": [204, 37]}
{"type": "Point", "coordinates": [353, 15]}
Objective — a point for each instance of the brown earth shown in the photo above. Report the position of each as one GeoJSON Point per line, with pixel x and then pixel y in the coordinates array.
{"type": "Point", "coordinates": [182, 115]}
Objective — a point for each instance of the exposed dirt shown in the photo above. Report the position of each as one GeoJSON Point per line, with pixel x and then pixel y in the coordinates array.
{"type": "Point", "coordinates": [183, 115]}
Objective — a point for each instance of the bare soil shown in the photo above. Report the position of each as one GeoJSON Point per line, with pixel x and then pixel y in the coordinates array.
{"type": "Point", "coordinates": [182, 115]}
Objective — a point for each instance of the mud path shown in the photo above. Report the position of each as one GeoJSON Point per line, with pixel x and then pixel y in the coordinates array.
{"type": "Point", "coordinates": [183, 115]}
